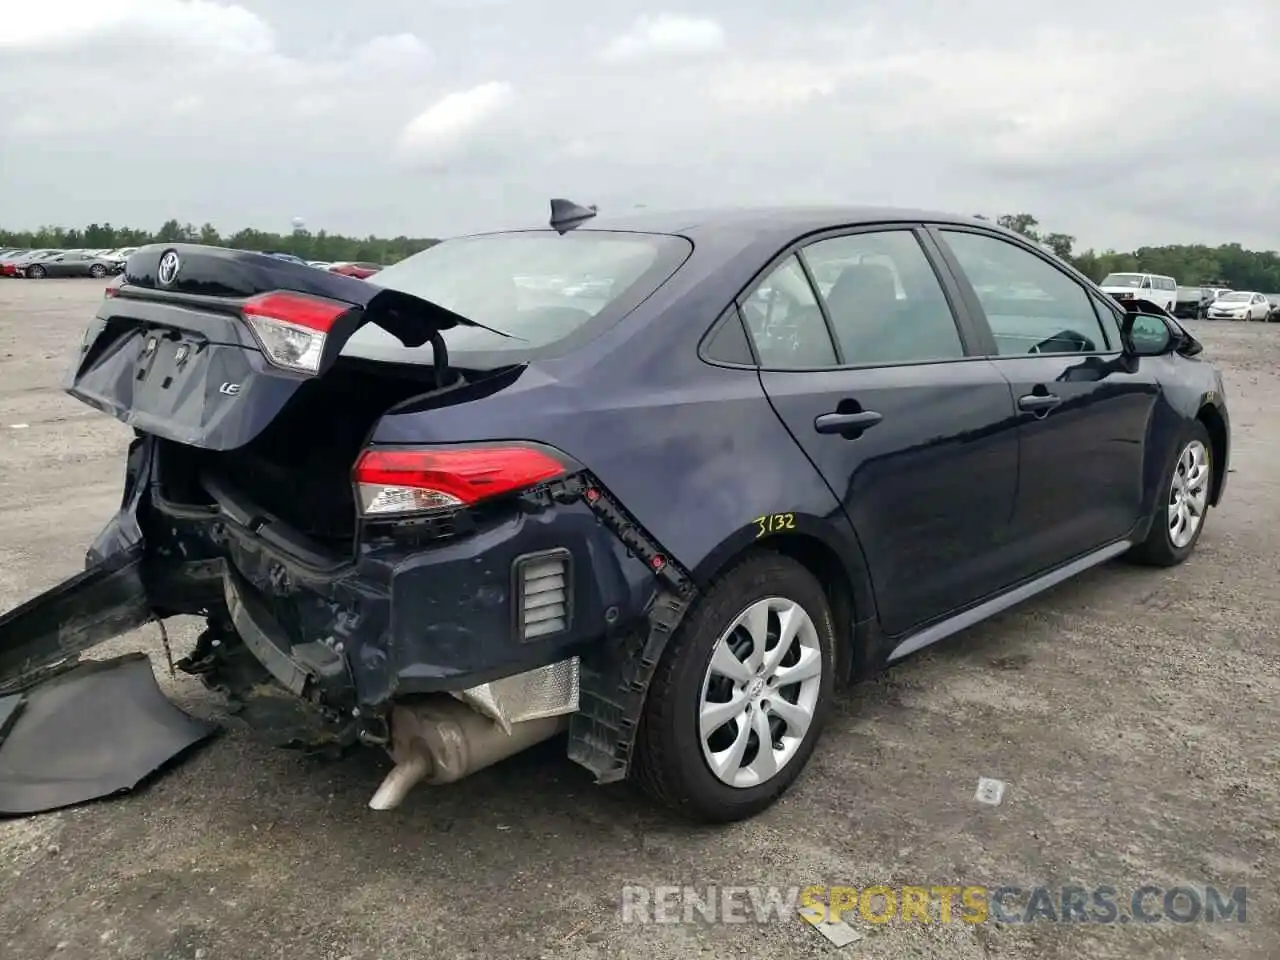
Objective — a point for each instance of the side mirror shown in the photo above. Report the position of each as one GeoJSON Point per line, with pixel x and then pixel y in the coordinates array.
{"type": "Point", "coordinates": [1146, 335]}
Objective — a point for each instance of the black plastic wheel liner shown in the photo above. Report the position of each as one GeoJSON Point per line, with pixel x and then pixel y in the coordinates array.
{"type": "Point", "coordinates": [98, 729]}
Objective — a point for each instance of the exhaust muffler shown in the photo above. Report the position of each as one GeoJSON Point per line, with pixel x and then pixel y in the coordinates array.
{"type": "Point", "coordinates": [442, 740]}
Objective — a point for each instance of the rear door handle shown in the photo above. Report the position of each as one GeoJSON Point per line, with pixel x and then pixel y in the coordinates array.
{"type": "Point", "coordinates": [844, 422]}
{"type": "Point", "coordinates": [1037, 402]}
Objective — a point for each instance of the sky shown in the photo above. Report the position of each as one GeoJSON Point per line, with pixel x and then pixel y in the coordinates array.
{"type": "Point", "coordinates": [1140, 122]}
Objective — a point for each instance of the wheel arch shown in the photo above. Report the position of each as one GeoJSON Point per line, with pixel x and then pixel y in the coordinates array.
{"type": "Point", "coordinates": [1213, 421]}
{"type": "Point", "coordinates": [837, 564]}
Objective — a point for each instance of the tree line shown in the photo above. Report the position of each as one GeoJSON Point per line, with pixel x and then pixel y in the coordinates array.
{"type": "Point", "coordinates": [330, 247]}
{"type": "Point", "coordinates": [1226, 265]}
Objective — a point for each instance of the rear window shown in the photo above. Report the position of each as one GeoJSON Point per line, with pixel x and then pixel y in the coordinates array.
{"type": "Point", "coordinates": [540, 288]}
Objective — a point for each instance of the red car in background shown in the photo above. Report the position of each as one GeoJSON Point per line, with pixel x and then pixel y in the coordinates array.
{"type": "Point", "coordinates": [9, 261]}
{"type": "Point", "coordinates": [362, 270]}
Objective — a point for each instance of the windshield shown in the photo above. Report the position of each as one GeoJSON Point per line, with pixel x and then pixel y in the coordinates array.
{"type": "Point", "coordinates": [1122, 280]}
{"type": "Point", "coordinates": [536, 286]}
{"type": "Point", "coordinates": [1235, 297]}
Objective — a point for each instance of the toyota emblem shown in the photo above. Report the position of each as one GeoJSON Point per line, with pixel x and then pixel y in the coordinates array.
{"type": "Point", "coordinates": [168, 271]}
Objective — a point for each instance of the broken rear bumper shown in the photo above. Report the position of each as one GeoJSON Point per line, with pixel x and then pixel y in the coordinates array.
{"type": "Point", "coordinates": [341, 637]}
{"type": "Point", "coordinates": [405, 618]}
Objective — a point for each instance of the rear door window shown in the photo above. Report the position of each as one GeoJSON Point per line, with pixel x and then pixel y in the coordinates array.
{"type": "Point", "coordinates": [884, 300]}
{"type": "Point", "coordinates": [728, 342]}
{"type": "Point", "coordinates": [785, 321]}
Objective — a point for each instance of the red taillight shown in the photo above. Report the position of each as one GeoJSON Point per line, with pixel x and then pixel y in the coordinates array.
{"type": "Point", "coordinates": [292, 327]}
{"type": "Point", "coordinates": [411, 481]}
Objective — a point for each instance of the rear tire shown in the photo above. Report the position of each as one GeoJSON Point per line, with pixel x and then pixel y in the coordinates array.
{"type": "Point", "coordinates": [716, 670]}
{"type": "Point", "coordinates": [1184, 501]}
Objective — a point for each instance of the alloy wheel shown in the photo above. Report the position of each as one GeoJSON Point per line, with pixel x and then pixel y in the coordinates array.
{"type": "Point", "coordinates": [760, 692]}
{"type": "Point", "coordinates": [1188, 494]}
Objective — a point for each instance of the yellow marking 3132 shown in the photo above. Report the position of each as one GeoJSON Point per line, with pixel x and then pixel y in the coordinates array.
{"type": "Point", "coordinates": [773, 523]}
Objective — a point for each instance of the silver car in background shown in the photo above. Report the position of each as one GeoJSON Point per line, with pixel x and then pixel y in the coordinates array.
{"type": "Point", "coordinates": [70, 264]}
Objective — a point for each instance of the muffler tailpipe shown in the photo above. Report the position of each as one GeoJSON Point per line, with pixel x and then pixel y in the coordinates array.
{"type": "Point", "coordinates": [443, 740]}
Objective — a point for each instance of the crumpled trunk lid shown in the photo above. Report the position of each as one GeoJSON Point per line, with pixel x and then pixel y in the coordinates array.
{"type": "Point", "coordinates": [172, 353]}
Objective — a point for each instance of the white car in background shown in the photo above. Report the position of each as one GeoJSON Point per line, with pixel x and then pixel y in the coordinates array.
{"type": "Point", "coordinates": [1152, 287]}
{"type": "Point", "coordinates": [1240, 305]}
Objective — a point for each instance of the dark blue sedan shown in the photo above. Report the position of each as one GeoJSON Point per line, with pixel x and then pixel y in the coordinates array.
{"type": "Point", "coordinates": [662, 482]}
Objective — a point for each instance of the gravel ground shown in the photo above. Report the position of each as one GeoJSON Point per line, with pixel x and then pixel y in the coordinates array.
{"type": "Point", "coordinates": [1133, 714]}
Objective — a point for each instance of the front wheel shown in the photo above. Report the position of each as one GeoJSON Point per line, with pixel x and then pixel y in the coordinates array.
{"type": "Point", "coordinates": [741, 694]}
{"type": "Point", "coordinates": [1184, 502]}
{"type": "Point", "coordinates": [97, 271]}
{"type": "Point", "coordinates": [35, 273]}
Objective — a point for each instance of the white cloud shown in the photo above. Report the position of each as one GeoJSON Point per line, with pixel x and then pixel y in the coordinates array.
{"type": "Point", "coordinates": [71, 24]}
{"type": "Point", "coordinates": [400, 51]}
{"type": "Point", "coordinates": [666, 35]}
{"type": "Point", "coordinates": [189, 60]}
{"type": "Point", "coordinates": [442, 130]}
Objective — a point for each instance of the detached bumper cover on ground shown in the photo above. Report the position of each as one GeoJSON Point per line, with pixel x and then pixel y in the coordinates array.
{"type": "Point", "coordinates": [99, 729]}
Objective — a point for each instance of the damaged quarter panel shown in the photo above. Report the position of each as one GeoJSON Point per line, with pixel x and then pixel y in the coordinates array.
{"type": "Point", "coordinates": [452, 609]}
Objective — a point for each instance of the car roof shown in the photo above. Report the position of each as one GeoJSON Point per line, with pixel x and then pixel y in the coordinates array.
{"type": "Point", "coordinates": [782, 222]}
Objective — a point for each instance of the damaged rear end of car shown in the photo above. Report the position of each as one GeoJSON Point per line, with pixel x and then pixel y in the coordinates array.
{"type": "Point", "coordinates": [436, 599]}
